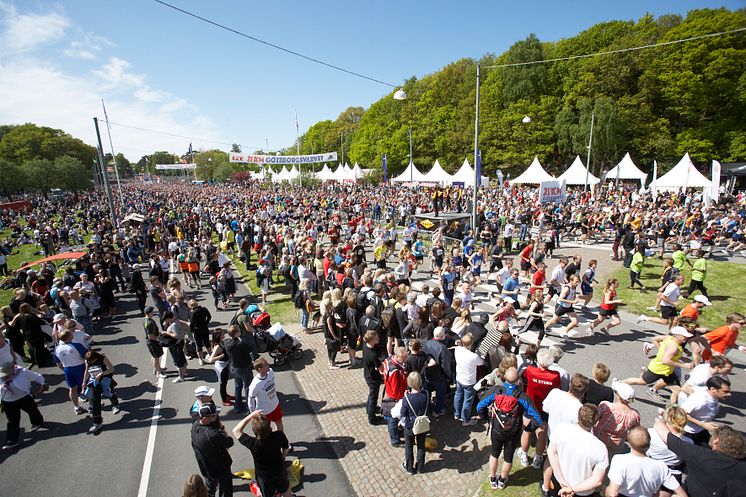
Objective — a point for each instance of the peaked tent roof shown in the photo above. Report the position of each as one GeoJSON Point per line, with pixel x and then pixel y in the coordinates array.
{"type": "Point", "coordinates": [342, 174]}
{"type": "Point", "coordinates": [465, 175]}
{"type": "Point", "coordinates": [438, 175]}
{"type": "Point", "coordinates": [627, 170]}
{"type": "Point", "coordinates": [324, 174]}
{"type": "Point", "coordinates": [357, 172]}
{"type": "Point", "coordinates": [410, 174]}
{"type": "Point", "coordinates": [683, 174]}
{"type": "Point", "coordinates": [294, 172]}
{"type": "Point", "coordinates": [575, 174]}
{"type": "Point", "coordinates": [535, 174]}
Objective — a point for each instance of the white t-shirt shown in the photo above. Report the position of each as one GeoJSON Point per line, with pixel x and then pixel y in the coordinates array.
{"type": "Point", "coordinates": [263, 393]}
{"type": "Point", "coordinates": [68, 355]}
{"type": "Point", "coordinates": [579, 452]}
{"type": "Point", "coordinates": [699, 375]}
{"type": "Point", "coordinates": [640, 476]}
{"type": "Point", "coordinates": [502, 275]}
{"type": "Point", "coordinates": [562, 408]}
{"type": "Point", "coordinates": [466, 366]}
{"type": "Point", "coordinates": [701, 406]}
{"type": "Point", "coordinates": [558, 276]}
{"type": "Point", "coordinates": [659, 451]}
{"type": "Point", "coordinates": [7, 355]}
{"type": "Point", "coordinates": [466, 299]}
{"type": "Point", "coordinates": [671, 292]}
{"type": "Point", "coordinates": [564, 376]}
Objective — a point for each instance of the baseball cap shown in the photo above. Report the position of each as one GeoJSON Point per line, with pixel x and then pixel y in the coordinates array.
{"type": "Point", "coordinates": [204, 391]}
{"type": "Point", "coordinates": [6, 368]}
{"type": "Point", "coordinates": [625, 392]}
{"type": "Point", "coordinates": [702, 299]}
{"type": "Point", "coordinates": [207, 410]}
{"type": "Point", "coordinates": [148, 309]}
{"type": "Point", "coordinates": [58, 317]}
{"type": "Point", "coordinates": [680, 330]}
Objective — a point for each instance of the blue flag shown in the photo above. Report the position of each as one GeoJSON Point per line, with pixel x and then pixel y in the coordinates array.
{"type": "Point", "coordinates": [479, 167]}
{"type": "Point", "coordinates": [384, 168]}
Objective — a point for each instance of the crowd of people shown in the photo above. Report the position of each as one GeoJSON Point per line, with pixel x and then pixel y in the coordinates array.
{"type": "Point", "coordinates": [353, 259]}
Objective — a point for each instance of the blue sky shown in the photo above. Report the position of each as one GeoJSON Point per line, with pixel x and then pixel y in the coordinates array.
{"type": "Point", "coordinates": [162, 70]}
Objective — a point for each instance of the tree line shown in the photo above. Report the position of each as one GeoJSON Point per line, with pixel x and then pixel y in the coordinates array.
{"type": "Point", "coordinates": [655, 103]}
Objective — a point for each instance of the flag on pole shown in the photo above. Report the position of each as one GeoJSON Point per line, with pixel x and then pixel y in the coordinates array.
{"type": "Point", "coordinates": [479, 167]}
{"type": "Point", "coordinates": [384, 169]}
{"type": "Point", "coordinates": [190, 149]}
{"type": "Point", "coordinates": [716, 169]}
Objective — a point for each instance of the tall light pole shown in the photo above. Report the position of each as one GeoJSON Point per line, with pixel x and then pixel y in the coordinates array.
{"type": "Point", "coordinates": [400, 95]}
{"type": "Point", "coordinates": [588, 158]}
{"type": "Point", "coordinates": [476, 158]}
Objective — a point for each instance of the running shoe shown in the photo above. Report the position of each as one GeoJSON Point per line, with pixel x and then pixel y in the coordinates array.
{"type": "Point", "coordinates": [523, 457]}
{"type": "Point", "coordinates": [655, 395]}
{"type": "Point", "coordinates": [538, 461]}
{"type": "Point", "coordinates": [641, 318]}
{"type": "Point", "coordinates": [178, 379]}
{"type": "Point", "coordinates": [501, 483]}
{"type": "Point", "coordinates": [10, 445]}
{"type": "Point", "coordinates": [647, 347]}
{"type": "Point", "coordinates": [470, 422]}
{"type": "Point", "coordinates": [95, 428]}
{"type": "Point", "coordinates": [493, 483]}
{"type": "Point", "coordinates": [36, 427]}
{"type": "Point", "coordinates": [162, 376]}
{"type": "Point", "coordinates": [116, 410]}
{"type": "Point", "coordinates": [80, 410]}
{"type": "Point", "coordinates": [651, 308]}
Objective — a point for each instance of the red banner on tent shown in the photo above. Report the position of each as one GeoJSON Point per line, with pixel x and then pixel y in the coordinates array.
{"type": "Point", "coordinates": [21, 205]}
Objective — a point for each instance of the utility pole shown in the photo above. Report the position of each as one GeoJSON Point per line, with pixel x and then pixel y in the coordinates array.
{"type": "Point", "coordinates": [113, 155]}
{"type": "Point", "coordinates": [476, 158]}
{"type": "Point", "coordinates": [104, 175]}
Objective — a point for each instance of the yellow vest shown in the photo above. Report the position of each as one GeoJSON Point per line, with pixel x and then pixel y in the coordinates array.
{"type": "Point", "coordinates": [656, 364]}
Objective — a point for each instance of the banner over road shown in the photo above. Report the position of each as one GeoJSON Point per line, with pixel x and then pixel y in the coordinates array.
{"type": "Point", "coordinates": [282, 159]}
{"type": "Point", "coordinates": [174, 167]}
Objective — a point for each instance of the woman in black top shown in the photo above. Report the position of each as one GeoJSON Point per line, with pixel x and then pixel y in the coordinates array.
{"type": "Point", "coordinates": [99, 382]}
{"type": "Point", "coordinates": [13, 332]}
{"type": "Point", "coordinates": [331, 334]}
{"type": "Point", "coordinates": [30, 323]}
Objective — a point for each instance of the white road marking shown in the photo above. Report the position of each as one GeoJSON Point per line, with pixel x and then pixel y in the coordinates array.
{"type": "Point", "coordinates": [146, 465]}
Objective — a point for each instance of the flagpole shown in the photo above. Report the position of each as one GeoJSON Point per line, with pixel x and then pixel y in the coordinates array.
{"type": "Point", "coordinates": [297, 149]}
{"type": "Point", "coordinates": [114, 157]}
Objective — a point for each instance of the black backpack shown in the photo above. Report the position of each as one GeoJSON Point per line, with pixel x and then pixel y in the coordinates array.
{"type": "Point", "coordinates": [300, 300]}
{"type": "Point", "coordinates": [361, 302]}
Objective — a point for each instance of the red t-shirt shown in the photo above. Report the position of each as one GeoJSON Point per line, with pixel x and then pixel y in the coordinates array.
{"type": "Point", "coordinates": [539, 382]}
{"type": "Point", "coordinates": [537, 280]}
{"type": "Point", "coordinates": [526, 253]}
{"type": "Point", "coordinates": [721, 339]}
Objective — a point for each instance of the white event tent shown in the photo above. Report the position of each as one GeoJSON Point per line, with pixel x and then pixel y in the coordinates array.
{"type": "Point", "coordinates": [325, 173]}
{"type": "Point", "coordinates": [465, 175]}
{"type": "Point", "coordinates": [438, 175]}
{"type": "Point", "coordinates": [576, 174]}
{"type": "Point", "coordinates": [535, 174]}
{"type": "Point", "coordinates": [410, 175]}
{"type": "Point", "coordinates": [626, 169]}
{"type": "Point", "coordinates": [683, 175]}
{"type": "Point", "coordinates": [343, 173]}
{"type": "Point", "coordinates": [357, 172]}
{"type": "Point", "coordinates": [283, 175]}
{"type": "Point", "coordinates": [294, 173]}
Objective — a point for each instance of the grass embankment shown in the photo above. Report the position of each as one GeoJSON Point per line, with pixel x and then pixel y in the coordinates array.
{"type": "Point", "coordinates": [724, 281]}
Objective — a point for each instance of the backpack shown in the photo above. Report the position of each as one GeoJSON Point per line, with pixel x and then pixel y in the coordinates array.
{"type": "Point", "coordinates": [361, 302]}
{"type": "Point", "coordinates": [394, 379]}
{"type": "Point", "coordinates": [506, 413]}
{"type": "Point", "coordinates": [421, 423]}
{"type": "Point", "coordinates": [387, 315]}
{"type": "Point", "coordinates": [300, 300]}
{"type": "Point", "coordinates": [234, 319]}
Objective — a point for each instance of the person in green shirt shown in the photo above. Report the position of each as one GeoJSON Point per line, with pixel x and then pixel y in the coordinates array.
{"type": "Point", "coordinates": [699, 272]}
{"type": "Point", "coordinates": [635, 267]}
{"type": "Point", "coordinates": [679, 258]}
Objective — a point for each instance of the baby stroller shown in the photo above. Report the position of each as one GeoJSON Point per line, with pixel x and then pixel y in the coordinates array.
{"type": "Point", "coordinates": [275, 341]}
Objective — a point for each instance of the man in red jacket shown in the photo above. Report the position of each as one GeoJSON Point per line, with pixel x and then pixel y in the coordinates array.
{"type": "Point", "coordinates": [539, 381]}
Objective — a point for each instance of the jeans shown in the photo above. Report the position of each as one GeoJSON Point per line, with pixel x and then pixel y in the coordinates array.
{"type": "Point", "coordinates": [462, 401]}
{"type": "Point", "coordinates": [86, 322]}
{"type": "Point", "coordinates": [13, 413]}
{"type": "Point", "coordinates": [225, 482]}
{"type": "Point", "coordinates": [441, 390]}
{"type": "Point", "coordinates": [374, 388]}
{"type": "Point", "coordinates": [410, 440]}
{"type": "Point", "coordinates": [393, 429]}
{"type": "Point", "coordinates": [303, 318]}
{"type": "Point", "coordinates": [241, 380]}
{"type": "Point", "coordinates": [524, 231]}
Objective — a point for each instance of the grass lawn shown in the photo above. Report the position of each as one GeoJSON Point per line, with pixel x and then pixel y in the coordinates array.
{"type": "Point", "coordinates": [724, 283]}
{"type": "Point", "coordinates": [280, 306]}
{"type": "Point", "coordinates": [523, 482]}
{"type": "Point", "coordinates": [20, 254]}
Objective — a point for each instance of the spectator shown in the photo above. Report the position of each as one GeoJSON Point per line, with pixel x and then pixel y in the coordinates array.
{"type": "Point", "coordinates": [210, 443]}
{"type": "Point", "coordinates": [466, 377]}
{"type": "Point", "coordinates": [617, 418]}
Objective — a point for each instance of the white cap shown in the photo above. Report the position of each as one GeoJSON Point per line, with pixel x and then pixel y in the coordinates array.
{"type": "Point", "coordinates": [625, 392]}
{"type": "Point", "coordinates": [680, 330]}
{"type": "Point", "coordinates": [58, 317]}
{"type": "Point", "coordinates": [204, 391]}
{"type": "Point", "coordinates": [702, 299]}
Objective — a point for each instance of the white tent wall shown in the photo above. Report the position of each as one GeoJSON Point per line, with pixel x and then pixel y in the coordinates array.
{"type": "Point", "coordinates": [576, 174]}
{"type": "Point", "coordinates": [410, 175]}
{"type": "Point", "coordinates": [438, 175]}
{"type": "Point", "coordinates": [465, 175]}
{"type": "Point", "coordinates": [626, 170]}
{"type": "Point", "coordinates": [683, 175]}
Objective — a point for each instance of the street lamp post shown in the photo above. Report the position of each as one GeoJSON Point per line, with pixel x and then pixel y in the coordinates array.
{"type": "Point", "coordinates": [588, 158]}
{"type": "Point", "coordinates": [476, 157]}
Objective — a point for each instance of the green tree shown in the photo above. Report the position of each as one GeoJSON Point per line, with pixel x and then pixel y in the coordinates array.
{"type": "Point", "coordinates": [29, 141]}
{"type": "Point", "coordinates": [42, 175]}
{"type": "Point", "coordinates": [210, 165]}
{"type": "Point", "coordinates": [13, 177]}
{"type": "Point", "coordinates": [72, 175]}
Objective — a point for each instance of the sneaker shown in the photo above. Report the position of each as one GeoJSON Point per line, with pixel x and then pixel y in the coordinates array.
{"type": "Point", "coordinates": [523, 457]}
{"type": "Point", "coordinates": [651, 308]}
{"type": "Point", "coordinates": [227, 402]}
{"type": "Point", "coordinates": [641, 318]}
{"type": "Point", "coordinates": [80, 410]}
{"type": "Point", "coordinates": [647, 347]}
{"type": "Point", "coordinates": [493, 483]}
{"type": "Point", "coordinates": [116, 410]}
{"type": "Point", "coordinates": [654, 395]}
{"type": "Point", "coordinates": [398, 443]}
{"type": "Point", "coordinates": [36, 427]}
{"type": "Point", "coordinates": [538, 461]}
{"type": "Point", "coordinates": [162, 376]}
{"type": "Point", "coordinates": [501, 483]}
{"type": "Point", "coordinates": [10, 445]}
{"type": "Point", "coordinates": [178, 379]}
{"type": "Point", "coordinates": [543, 492]}
{"type": "Point", "coordinates": [95, 428]}
{"type": "Point", "coordinates": [404, 467]}
{"type": "Point", "coordinates": [201, 362]}
{"type": "Point", "coordinates": [470, 422]}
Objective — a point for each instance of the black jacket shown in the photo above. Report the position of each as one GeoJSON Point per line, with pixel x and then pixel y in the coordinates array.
{"type": "Point", "coordinates": [437, 351]}
{"type": "Point", "coordinates": [211, 450]}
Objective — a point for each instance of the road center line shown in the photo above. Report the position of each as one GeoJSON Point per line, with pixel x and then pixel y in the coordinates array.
{"type": "Point", "coordinates": [148, 462]}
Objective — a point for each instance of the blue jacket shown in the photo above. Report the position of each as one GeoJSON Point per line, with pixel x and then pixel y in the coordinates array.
{"type": "Point", "coordinates": [528, 407]}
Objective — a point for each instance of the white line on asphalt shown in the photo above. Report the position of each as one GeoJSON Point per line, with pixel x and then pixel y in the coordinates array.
{"type": "Point", "coordinates": [145, 476]}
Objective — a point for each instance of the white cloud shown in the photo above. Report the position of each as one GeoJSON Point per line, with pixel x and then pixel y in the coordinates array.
{"type": "Point", "coordinates": [24, 32]}
{"type": "Point", "coordinates": [87, 46]}
{"type": "Point", "coordinates": [115, 73]}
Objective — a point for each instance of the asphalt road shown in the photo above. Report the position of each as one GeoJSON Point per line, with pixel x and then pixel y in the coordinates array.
{"type": "Point", "coordinates": [61, 459]}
